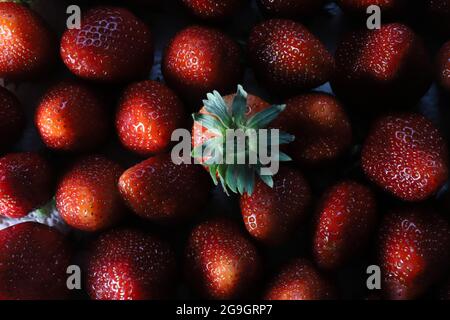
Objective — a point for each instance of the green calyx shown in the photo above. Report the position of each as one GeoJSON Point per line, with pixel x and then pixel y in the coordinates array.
{"type": "Point", "coordinates": [239, 149]}
{"type": "Point", "coordinates": [24, 2]}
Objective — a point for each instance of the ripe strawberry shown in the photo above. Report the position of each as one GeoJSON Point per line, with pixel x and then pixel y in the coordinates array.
{"type": "Point", "coordinates": [359, 7]}
{"type": "Point", "coordinates": [443, 64]}
{"type": "Point", "coordinates": [272, 214]}
{"type": "Point", "coordinates": [345, 219]}
{"type": "Point", "coordinates": [160, 190]}
{"type": "Point", "coordinates": [33, 263]}
{"type": "Point", "coordinates": [406, 156]}
{"type": "Point", "coordinates": [87, 196]}
{"type": "Point", "coordinates": [127, 264]}
{"type": "Point", "coordinates": [27, 47]}
{"type": "Point", "coordinates": [413, 250]}
{"type": "Point", "coordinates": [26, 183]}
{"type": "Point", "coordinates": [12, 119]}
{"type": "Point", "coordinates": [287, 58]}
{"type": "Point", "coordinates": [321, 125]}
{"type": "Point", "coordinates": [213, 10]}
{"type": "Point", "coordinates": [148, 113]}
{"type": "Point", "coordinates": [71, 117]}
{"type": "Point", "coordinates": [113, 45]}
{"type": "Point", "coordinates": [220, 261]}
{"type": "Point", "coordinates": [290, 8]}
{"type": "Point", "coordinates": [389, 67]}
{"type": "Point", "coordinates": [199, 60]}
{"type": "Point", "coordinates": [299, 280]}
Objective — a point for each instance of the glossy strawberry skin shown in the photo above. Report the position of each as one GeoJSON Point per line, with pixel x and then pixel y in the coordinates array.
{"type": "Point", "coordinates": [71, 117]}
{"type": "Point", "coordinates": [201, 134]}
{"type": "Point", "coordinates": [26, 183]}
{"type": "Point", "coordinates": [443, 67]}
{"type": "Point", "coordinates": [199, 60]}
{"type": "Point", "coordinates": [147, 115]}
{"type": "Point", "coordinates": [414, 246]}
{"type": "Point", "coordinates": [213, 10]}
{"type": "Point", "coordinates": [290, 8]}
{"type": "Point", "coordinates": [159, 190]}
{"type": "Point", "coordinates": [346, 217]}
{"type": "Point", "coordinates": [87, 196]}
{"type": "Point", "coordinates": [27, 47]}
{"type": "Point", "coordinates": [287, 58]}
{"type": "Point", "coordinates": [320, 124]}
{"type": "Point", "coordinates": [359, 7]}
{"type": "Point", "coordinates": [271, 215]}
{"type": "Point", "coordinates": [33, 263]}
{"type": "Point", "coordinates": [221, 262]}
{"type": "Point", "coordinates": [111, 46]}
{"type": "Point", "coordinates": [389, 67]}
{"type": "Point", "coordinates": [406, 156]}
{"type": "Point", "coordinates": [127, 264]}
{"type": "Point", "coordinates": [299, 280]}
{"type": "Point", "coordinates": [12, 119]}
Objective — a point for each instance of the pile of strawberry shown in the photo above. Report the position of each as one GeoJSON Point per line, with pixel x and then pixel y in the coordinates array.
{"type": "Point", "coordinates": [366, 184]}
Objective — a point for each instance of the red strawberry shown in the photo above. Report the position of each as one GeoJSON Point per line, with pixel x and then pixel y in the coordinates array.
{"type": "Point", "coordinates": [33, 263]}
{"type": "Point", "coordinates": [299, 280]}
{"type": "Point", "coordinates": [87, 196]}
{"type": "Point", "coordinates": [359, 7]}
{"type": "Point", "coordinates": [220, 261]}
{"type": "Point", "coordinates": [414, 251]}
{"type": "Point", "coordinates": [213, 10]}
{"type": "Point", "coordinates": [27, 47]}
{"type": "Point", "coordinates": [127, 264]}
{"type": "Point", "coordinates": [443, 64]}
{"type": "Point", "coordinates": [406, 155]}
{"type": "Point", "coordinates": [148, 113]}
{"type": "Point", "coordinates": [438, 12]}
{"type": "Point", "coordinates": [287, 58]}
{"type": "Point", "coordinates": [321, 126]}
{"type": "Point", "coordinates": [272, 214]}
{"type": "Point", "coordinates": [160, 190]}
{"type": "Point", "coordinates": [290, 8]}
{"type": "Point", "coordinates": [389, 67]}
{"type": "Point", "coordinates": [71, 117]}
{"type": "Point", "coordinates": [26, 183]}
{"type": "Point", "coordinates": [199, 60]}
{"type": "Point", "coordinates": [345, 219]}
{"type": "Point", "coordinates": [12, 119]}
{"type": "Point", "coordinates": [113, 45]}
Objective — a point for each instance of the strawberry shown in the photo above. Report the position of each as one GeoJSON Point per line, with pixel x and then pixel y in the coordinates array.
{"type": "Point", "coordinates": [414, 246]}
{"type": "Point", "coordinates": [26, 183]}
{"type": "Point", "coordinates": [443, 66]}
{"type": "Point", "coordinates": [290, 8]}
{"type": "Point", "coordinates": [113, 45]}
{"type": "Point", "coordinates": [33, 263]}
{"type": "Point", "coordinates": [71, 117]}
{"type": "Point", "coordinates": [213, 10]}
{"type": "Point", "coordinates": [287, 58]}
{"type": "Point", "coordinates": [359, 7]}
{"type": "Point", "coordinates": [160, 190]}
{"type": "Point", "coordinates": [221, 262]}
{"type": "Point", "coordinates": [128, 264]}
{"type": "Point", "coordinates": [27, 46]}
{"type": "Point", "coordinates": [87, 196]}
{"type": "Point", "coordinates": [299, 280]}
{"type": "Point", "coordinates": [148, 113]}
{"type": "Point", "coordinates": [273, 214]}
{"type": "Point", "coordinates": [345, 219]}
{"type": "Point", "coordinates": [199, 60]}
{"type": "Point", "coordinates": [406, 156]}
{"type": "Point", "coordinates": [12, 119]}
{"type": "Point", "coordinates": [389, 67]}
{"type": "Point", "coordinates": [321, 125]}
